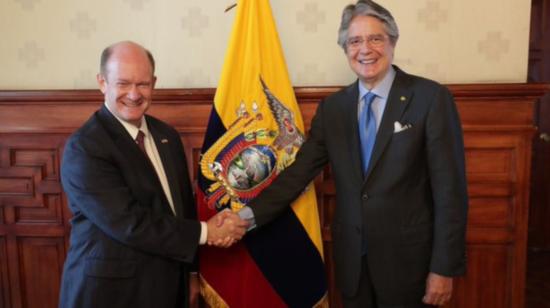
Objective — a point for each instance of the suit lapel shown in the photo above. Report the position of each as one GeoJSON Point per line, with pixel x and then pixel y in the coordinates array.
{"type": "Point", "coordinates": [167, 159]}
{"type": "Point", "coordinates": [350, 109]}
{"type": "Point", "coordinates": [119, 134]}
{"type": "Point", "coordinates": [124, 140]}
{"type": "Point", "coordinates": [398, 100]}
{"type": "Point", "coordinates": [134, 155]}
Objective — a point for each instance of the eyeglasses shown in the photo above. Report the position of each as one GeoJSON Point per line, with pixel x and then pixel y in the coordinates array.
{"type": "Point", "coordinates": [375, 40]}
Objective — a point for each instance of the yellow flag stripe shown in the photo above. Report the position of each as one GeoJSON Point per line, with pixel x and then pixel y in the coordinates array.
{"type": "Point", "coordinates": [255, 50]}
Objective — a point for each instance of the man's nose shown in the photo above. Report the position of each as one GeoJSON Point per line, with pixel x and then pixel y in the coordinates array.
{"type": "Point", "coordinates": [133, 93]}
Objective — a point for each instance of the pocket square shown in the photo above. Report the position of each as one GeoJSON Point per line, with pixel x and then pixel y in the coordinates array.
{"type": "Point", "coordinates": [398, 127]}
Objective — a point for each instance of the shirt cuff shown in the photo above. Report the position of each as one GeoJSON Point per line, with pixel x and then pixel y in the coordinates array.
{"type": "Point", "coordinates": [204, 233]}
{"type": "Point", "coordinates": [247, 214]}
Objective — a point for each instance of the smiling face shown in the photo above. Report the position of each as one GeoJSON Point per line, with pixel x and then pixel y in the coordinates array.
{"type": "Point", "coordinates": [128, 82]}
{"type": "Point", "coordinates": [370, 60]}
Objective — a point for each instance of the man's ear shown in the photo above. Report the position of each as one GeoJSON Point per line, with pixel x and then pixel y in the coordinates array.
{"type": "Point", "coordinates": [101, 82]}
{"type": "Point", "coordinates": [154, 81]}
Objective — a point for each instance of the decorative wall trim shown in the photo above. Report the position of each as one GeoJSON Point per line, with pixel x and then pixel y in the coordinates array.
{"type": "Point", "coordinates": [497, 120]}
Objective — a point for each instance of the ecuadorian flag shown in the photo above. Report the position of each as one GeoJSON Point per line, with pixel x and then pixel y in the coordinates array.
{"type": "Point", "coordinates": [254, 132]}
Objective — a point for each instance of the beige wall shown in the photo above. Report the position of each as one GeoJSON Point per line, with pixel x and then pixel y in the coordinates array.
{"type": "Point", "coordinates": [55, 44]}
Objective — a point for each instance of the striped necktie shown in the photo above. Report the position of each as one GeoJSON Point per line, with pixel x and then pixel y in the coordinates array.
{"type": "Point", "coordinates": [140, 142]}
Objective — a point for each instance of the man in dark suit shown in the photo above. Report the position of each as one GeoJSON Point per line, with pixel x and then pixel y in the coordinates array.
{"type": "Point", "coordinates": [394, 143]}
{"type": "Point", "coordinates": [134, 231]}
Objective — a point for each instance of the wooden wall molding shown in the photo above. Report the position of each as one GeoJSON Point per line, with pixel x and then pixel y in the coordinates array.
{"type": "Point", "coordinates": [497, 120]}
{"type": "Point", "coordinates": [38, 110]}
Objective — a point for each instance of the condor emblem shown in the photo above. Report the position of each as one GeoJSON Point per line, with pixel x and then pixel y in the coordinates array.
{"type": "Point", "coordinates": [250, 155]}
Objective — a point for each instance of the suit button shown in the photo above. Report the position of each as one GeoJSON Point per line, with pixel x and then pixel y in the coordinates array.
{"type": "Point", "coordinates": [365, 197]}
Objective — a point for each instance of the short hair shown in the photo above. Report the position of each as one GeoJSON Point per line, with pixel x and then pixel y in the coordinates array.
{"type": "Point", "coordinates": [108, 51]}
{"type": "Point", "coordinates": [367, 8]}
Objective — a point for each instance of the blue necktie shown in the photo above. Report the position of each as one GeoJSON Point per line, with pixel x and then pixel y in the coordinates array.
{"type": "Point", "coordinates": [367, 129]}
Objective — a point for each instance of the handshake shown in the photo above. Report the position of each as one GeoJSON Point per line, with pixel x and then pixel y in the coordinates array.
{"type": "Point", "coordinates": [225, 229]}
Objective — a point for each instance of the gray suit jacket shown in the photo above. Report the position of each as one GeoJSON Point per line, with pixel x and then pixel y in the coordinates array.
{"type": "Point", "coordinates": [127, 249]}
{"type": "Point", "coordinates": [409, 211]}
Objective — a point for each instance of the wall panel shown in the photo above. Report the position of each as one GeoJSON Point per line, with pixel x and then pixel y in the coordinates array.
{"type": "Point", "coordinates": [498, 129]}
{"type": "Point", "coordinates": [40, 267]}
{"type": "Point", "coordinates": [4, 281]}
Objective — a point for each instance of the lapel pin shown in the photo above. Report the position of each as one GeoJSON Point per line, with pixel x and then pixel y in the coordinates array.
{"type": "Point", "coordinates": [164, 141]}
{"type": "Point", "coordinates": [403, 98]}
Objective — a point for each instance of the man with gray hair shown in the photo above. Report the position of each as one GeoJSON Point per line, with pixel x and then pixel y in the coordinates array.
{"type": "Point", "coordinates": [395, 145]}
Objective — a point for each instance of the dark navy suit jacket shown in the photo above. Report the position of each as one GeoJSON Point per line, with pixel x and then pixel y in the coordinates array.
{"type": "Point", "coordinates": [127, 249]}
{"type": "Point", "coordinates": [409, 211]}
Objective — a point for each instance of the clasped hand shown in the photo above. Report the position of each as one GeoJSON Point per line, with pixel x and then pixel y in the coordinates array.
{"type": "Point", "coordinates": [225, 229]}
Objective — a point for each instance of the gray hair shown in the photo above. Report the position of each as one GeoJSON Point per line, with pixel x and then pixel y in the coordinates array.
{"type": "Point", "coordinates": [367, 8]}
{"type": "Point", "coordinates": [107, 52]}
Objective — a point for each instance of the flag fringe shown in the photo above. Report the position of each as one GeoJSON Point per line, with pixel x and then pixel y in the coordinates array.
{"type": "Point", "coordinates": [323, 303]}
{"type": "Point", "coordinates": [211, 297]}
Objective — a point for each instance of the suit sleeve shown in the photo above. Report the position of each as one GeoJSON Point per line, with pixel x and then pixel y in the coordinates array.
{"type": "Point", "coordinates": [310, 160]}
{"type": "Point", "coordinates": [97, 191]}
{"type": "Point", "coordinates": [445, 154]}
{"type": "Point", "coordinates": [189, 203]}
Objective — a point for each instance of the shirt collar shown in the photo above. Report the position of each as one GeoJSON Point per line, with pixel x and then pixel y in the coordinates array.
{"type": "Point", "coordinates": [131, 128]}
{"type": "Point", "coordinates": [383, 88]}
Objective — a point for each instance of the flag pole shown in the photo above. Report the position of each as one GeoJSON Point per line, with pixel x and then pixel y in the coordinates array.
{"type": "Point", "coordinates": [230, 7]}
